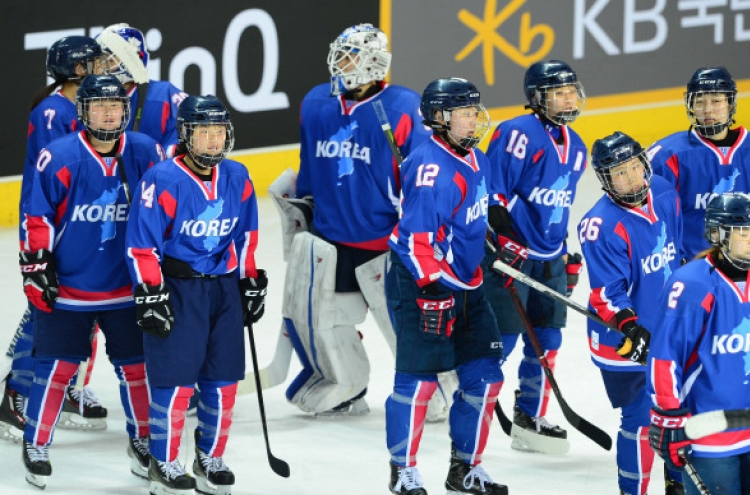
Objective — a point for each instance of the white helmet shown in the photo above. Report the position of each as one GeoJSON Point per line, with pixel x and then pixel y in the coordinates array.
{"type": "Point", "coordinates": [125, 53]}
{"type": "Point", "coordinates": [358, 56]}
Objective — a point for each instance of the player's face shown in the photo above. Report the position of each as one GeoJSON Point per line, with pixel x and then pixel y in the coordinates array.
{"type": "Point", "coordinates": [209, 139]}
{"type": "Point", "coordinates": [561, 99]}
{"type": "Point", "coordinates": [711, 108]}
{"type": "Point", "coordinates": [89, 67]}
{"type": "Point", "coordinates": [464, 122]}
{"type": "Point", "coordinates": [628, 177]}
{"type": "Point", "coordinates": [739, 244]}
{"type": "Point", "coordinates": [106, 114]}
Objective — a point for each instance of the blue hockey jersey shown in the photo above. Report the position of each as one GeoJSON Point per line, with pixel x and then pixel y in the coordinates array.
{"type": "Point", "coordinates": [347, 166]}
{"type": "Point", "coordinates": [159, 114]}
{"type": "Point", "coordinates": [700, 357]}
{"type": "Point", "coordinates": [535, 178]}
{"type": "Point", "coordinates": [630, 253]}
{"type": "Point", "coordinates": [212, 226]}
{"type": "Point", "coordinates": [700, 171]}
{"type": "Point", "coordinates": [77, 209]}
{"type": "Point", "coordinates": [440, 235]}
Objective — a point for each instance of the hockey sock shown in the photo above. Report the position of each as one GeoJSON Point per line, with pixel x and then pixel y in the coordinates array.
{"type": "Point", "coordinates": [51, 378]}
{"type": "Point", "coordinates": [405, 411]}
{"type": "Point", "coordinates": [90, 367]}
{"type": "Point", "coordinates": [134, 397]}
{"type": "Point", "coordinates": [215, 415]}
{"type": "Point", "coordinates": [535, 389]}
{"type": "Point", "coordinates": [166, 420]}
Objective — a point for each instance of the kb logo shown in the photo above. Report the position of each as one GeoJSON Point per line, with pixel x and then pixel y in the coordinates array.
{"type": "Point", "coordinates": [489, 38]}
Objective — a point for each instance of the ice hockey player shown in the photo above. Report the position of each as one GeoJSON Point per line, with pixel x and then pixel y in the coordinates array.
{"type": "Point", "coordinates": [699, 359]}
{"type": "Point", "coordinates": [74, 271]}
{"type": "Point", "coordinates": [630, 241]}
{"type": "Point", "coordinates": [191, 241]}
{"type": "Point", "coordinates": [435, 294]}
{"type": "Point", "coordinates": [53, 115]}
{"type": "Point", "coordinates": [348, 169]}
{"type": "Point", "coordinates": [537, 160]}
{"type": "Point", "coordinates": [710, 158]}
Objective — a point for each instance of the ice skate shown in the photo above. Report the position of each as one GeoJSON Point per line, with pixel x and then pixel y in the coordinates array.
{"type": "Point", "coordinates": [139, 457]}
{"type": "Point", "coordinates": [212, 476]}
{"type": "Point", "coordinates": [356, 406]}
{"type": "Point", "coordinates": [82, 411]}
{"type": "Point", "coordinates": [169, 478]}
{"type": "Point", "coordinates": [12, 421]}
{"type": "Point", "coordinates": [536, 434]}
{"type": "Point", "coordinates": [406, 481]}
{"type": "Point", "coordinates": [38, 467]}
{"type": "Point", "coordinates": [474, 480]}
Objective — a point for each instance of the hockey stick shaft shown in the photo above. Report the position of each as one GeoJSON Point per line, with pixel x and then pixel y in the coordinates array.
{"type": "Point", "coordinates": [277, 465]}
{"type": "Point", "coordinates": [692, 473]}
{"type": "Point", "coordinates": [592, 431]}
{"type": "Point", "coordinates": [275, 373]}
{"type": "Point", "coordinates": [710, 423]}
{"type": "Point", "coordinates": [386, 126]}
{"type": "Point", "coordinates": [505, 423]}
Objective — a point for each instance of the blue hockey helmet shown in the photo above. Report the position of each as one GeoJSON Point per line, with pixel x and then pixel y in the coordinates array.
{"type": "Point", "coordinates": [725, 213]}
{"type": "Point", "coordinates": [125, 53]}
{"type": "Point", "coordinates": [357, 57]}
{"type": "Point", "coordinates": [97, 89]}
{"type": "Point", "coordinates": [441, 97]}
{"type": "Point", "coordinates": [634, 181]}
{"type": "Point", "coordinates": [64, 55]}
{"type": "Point", "coordinates": [715, 80]}
{"type": "Point", "coordinates": [197, 111]}
{"type": "Point", "coordinates": [542, 77]}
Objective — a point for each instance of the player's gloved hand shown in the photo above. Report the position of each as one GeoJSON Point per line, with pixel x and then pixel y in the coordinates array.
{"type": "Point", "coordinates": [512, 251]}
{"type": "Point", "coordinates": [253, 292]}
{"type": "Point", "coordinates": [667, 435]}
{"type": "Point", "coordinates": [573, 269]}
{"type": "Point", "coordinates": [437, 310]}
{"type": "Point", "coordinates": [153, 309]}
{"type": "Point", "coordinates": [39, 278]}
{"type": "Point", "coordinates": [635, 344]}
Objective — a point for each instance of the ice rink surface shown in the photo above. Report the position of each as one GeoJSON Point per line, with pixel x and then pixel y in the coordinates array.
{"type": "Point", "coordinates": [329, 456]}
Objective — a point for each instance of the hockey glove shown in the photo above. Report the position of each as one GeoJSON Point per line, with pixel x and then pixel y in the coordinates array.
{"type": "Point", "coordinates": [39, 278]}
{"type": "Point", "coordinates": [511, 251]}
{"type": "Point", "coordinates": [253, 292]}
{"type": "Point", "coordinates": [154, 309]}
{"type": "Point", "coordinates": [667, 435]}
{"type": "Point", "coordinates": [573, 269]}
{"type": "Point", "coordinates": [437, 311]}
{"type": "Point", "coordinates": [634, 345]}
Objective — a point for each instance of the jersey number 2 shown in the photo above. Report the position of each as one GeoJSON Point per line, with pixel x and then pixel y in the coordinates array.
{"type": "Point", "coordinates": [426, 174]}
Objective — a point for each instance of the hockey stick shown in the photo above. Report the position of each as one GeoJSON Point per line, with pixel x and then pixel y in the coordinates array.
{"type": "Point", "coordinates": [709, 423]}
{"type": "Point", "coordinates": [694, 477]}
{"type": "Point", "coordinates": [595, 433]}
{"type": "Point", "coordinates": [383, 119]}
{"type": "Point", "coordinates": [526, 280]}
{"type": "Point", "coordinates": [277, 465]}
{"type": "Point", "coordinates": [275, 373]}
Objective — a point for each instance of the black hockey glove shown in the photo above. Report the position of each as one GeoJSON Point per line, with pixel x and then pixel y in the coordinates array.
{"type": "Point", "coordinates": [253, 292]}
{"type": "Point", "coordinates": [512, 251]}
{"type": "Point", "coordinates": [667, 436]}
{"type": "Point", "coordinates": [437, 311]}
{"type": "Point", "coordinates": [39, 278]}
{"type": "Point", "coordinates": [634, 345]}
{"type": "Point", "coordinates": [573, 269]}
{"type": "Point", "coordinates": [154, 309]}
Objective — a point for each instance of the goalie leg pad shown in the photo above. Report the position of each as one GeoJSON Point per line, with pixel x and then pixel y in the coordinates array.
{"type": "Point", "coordinates": [296, 214]}
{"type": "Point", "coordinates": [321, 325]}
{"type": "Point", "coordinates": [371, 280]}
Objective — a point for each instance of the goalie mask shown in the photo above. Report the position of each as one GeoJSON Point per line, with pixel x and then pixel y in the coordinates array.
{"type": "Point", "coordinates": [125, 53]}
{"type": "Point", "coordinates": [552, 89]}
{"type": "Point", "coordinates": [727, 226]}
{"type": "Point", "coordinates": [710, 100]}
{"type": "Point", "coordinates": [623, 168]}
{"type": "Point", "coordinates": [358, 56]}
{"type": "Point", "coordinates": [452, 108]}
{"type": "Point", "coordinates": [65, 54]}
{"type": "Point", "coordinates": [204, 126]}
{"type": "Point", "coordinates": [103, 106]}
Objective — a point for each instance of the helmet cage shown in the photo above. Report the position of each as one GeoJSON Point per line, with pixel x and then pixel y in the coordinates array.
{"type": "Point", "coordinates": [358, 56]}
{"type": "Point", "coordinates": [544, 104]}
{"type": "Point", "coordinates": [205, 160]}
{"type": "Point", "coordinates": [727, 214]}
{"type": "Point", "coordinates": [691, 99]}
{"type": "Point", "coordinates": [733, 253]}
{"type": "Point", "coordinates": [463, 137]}
{"type": "Point", "coordinates": [83, 105]}
{"type": "Point", "coordinates": [604, 174]}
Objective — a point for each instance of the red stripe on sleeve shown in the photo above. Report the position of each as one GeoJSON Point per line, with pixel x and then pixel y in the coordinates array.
{"type": "Point", "coordinates": [248, 191]}
{"type": "Point", "coordinates": [460, 182]}
{"type": "Point", "coordinates": [165, 111]}
{"type": "Point", "coordinates": [708, 302]}
{"type": "Point", "coordinates": [29, 130]}
{"type": "Point", "coordinates": [602, 306]}
{"type": "Point", "coordinates": [168, 204]}
{"type": "Point", "coordinates": [665, 384]}
{"type": "Point", "coordinates": [39, 233]}
{"type": "Point", "coordinates": [623, 233]}
{"type": "Point", "coordinates": [674, 165]}
{"type": "Point", "coordinates": [247, 256]}
{"type": "Point", "coordinates": [63, 175]}
{"type": "Point", "coordinates": [146, 265]}
{"type": "Point", "coordinates": [538, 156]}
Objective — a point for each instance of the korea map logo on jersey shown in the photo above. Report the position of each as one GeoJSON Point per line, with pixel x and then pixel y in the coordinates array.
{"type": "Point", "coordinates": [561, 184]}
{"type": "Point", "coordinates": [109, 229]}
{"type": "Point", "coordinates": [343, 147]}
{"type": "Point", "coordinates": [726, 184]}
{"type": "Point", "coordinates": [211, 212]}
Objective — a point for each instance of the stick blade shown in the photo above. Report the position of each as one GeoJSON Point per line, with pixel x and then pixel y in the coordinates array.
{"type": "Point", "coordinates": [596, 434]}
{"type": "Point", "coordinates": [278, 466]}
